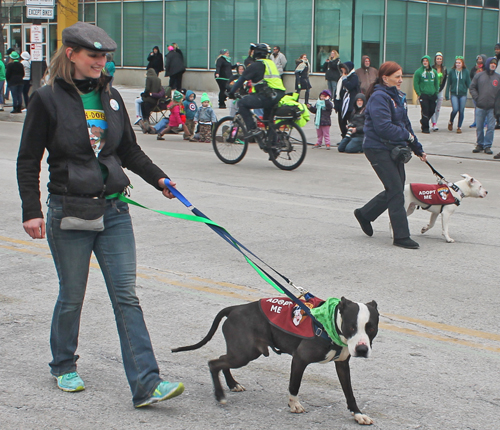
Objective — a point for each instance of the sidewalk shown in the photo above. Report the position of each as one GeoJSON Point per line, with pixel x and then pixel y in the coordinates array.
{"type": "Point", "coordinates": [442, 142]}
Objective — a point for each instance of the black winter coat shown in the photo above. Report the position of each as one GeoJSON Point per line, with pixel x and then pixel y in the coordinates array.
{"type": "Point", "coordinates": [326, 113]}
{"type": "Point", "coordinates": [331, 69]}
{"type": "Point", "coordinates": [224, 68]}
{"type": "Point", "coordinates": [174, 63]}
{"type": "Point", "coordinates": [358, 120]}
{"type": "Point", "coordinates": [351, 85]}
{"type": "Point", "coordinates": [155, 62]}
{"type": "Point", "coordinates": [56, 122]}
{"type": "Point", "coordinates": [14, 73]}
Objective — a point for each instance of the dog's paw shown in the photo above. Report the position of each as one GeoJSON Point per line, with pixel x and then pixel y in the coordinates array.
{"type": "Point", "coordinates": [363, 419]}
{"type": "Point", "coordinates": [238, 388]}
{"type": "Point", "coordinates": [295, 406]}
{"type": "Point", "coordinates": [450, 240]}
{"type": "Point", "coordinates": [424, 229]}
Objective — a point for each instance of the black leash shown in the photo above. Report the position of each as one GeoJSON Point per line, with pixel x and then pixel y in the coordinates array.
{"type": "Point", "coordinates": [449, 184]}
{"type": "Point", "coordinates": [222, 232]}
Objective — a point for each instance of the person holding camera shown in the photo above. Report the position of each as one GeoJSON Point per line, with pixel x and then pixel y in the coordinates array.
{"type": "Point", "coordinates": [352, 143]}
{"type": "Point", "coordinates": [389, 138]}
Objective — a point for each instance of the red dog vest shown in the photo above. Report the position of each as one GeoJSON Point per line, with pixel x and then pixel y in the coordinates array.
{"type": "Point", "coordinates": [433, 194]}
{"type": "Point", "coordinates": [287, 316]}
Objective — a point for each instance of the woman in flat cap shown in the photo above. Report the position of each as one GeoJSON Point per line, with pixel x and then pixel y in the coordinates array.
{"type": "Point", "coordinates": [84, 126]}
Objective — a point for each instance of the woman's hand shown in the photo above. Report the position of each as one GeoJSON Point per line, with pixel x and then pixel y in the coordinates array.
{"type": "Point", "coordinates": [35, 228]}
{"type": "Point", "coordinates": [423, 157]}
{"type": "Point", "coordinates": [166, 192]}
{"type": "Point", "coordinates": [216, 75]}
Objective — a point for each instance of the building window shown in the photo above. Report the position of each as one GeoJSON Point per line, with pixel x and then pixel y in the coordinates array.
{"type": "Point", "coordinates": [298, 20]}
{"type": "Point", "coordinates": [272, 26]}
{"type": "Point", "coordinates": [196, 52]}
{"type": "Point", "coordinates": [369, 32]}
{"type": "Point", "coordinates": [109, 18]}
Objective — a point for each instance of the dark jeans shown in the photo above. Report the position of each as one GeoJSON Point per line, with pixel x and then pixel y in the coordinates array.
{"type": "Point", "coordinates": [392, 198]}
{"type": "Point", "coordinates": [175, 81]}
{"type": "Point", "coordinates": [26, 91]}
{"type": "Point", "coordinates": [146, 109]}
{"type": "Point", "coordinates": [115, 251]}
{"type": "Point", "coordinates": [351, 145]}
{"type": "Point", "coordinates": [343, 122]}
{"type": "Point", "coordinates": [428, 106]}
{"type": "Point", "coordinates": [222, 92]}
{"type": "Point", "coordinates": [254, 101]}
{"type": "Point", "coordinates": [17, 96]}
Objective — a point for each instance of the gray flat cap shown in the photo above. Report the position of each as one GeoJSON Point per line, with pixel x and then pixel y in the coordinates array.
{"type": "Point", "coordinates": [88, 36]}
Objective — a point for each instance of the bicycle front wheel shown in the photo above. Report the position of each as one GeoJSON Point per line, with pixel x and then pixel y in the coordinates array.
{"type": "Point", "coordinates": [289, 145]}
{"type": "Point", "coordinates": [227, 140]}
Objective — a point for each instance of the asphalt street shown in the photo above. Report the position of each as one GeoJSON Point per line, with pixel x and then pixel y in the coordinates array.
{"type": "Point", "coordinates": [436, 359]}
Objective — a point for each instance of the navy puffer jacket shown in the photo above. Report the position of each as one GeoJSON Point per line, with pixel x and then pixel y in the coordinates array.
{"type": "Point", "coordinates": [386, 121]}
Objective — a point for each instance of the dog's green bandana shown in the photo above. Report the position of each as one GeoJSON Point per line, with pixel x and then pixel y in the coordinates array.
{"type": "Point", "coordinates": [325, 314]}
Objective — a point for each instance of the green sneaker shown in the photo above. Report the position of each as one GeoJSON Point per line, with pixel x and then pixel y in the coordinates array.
{"type": "Point", "coordinates": [70, 382]}
{"type": "Point", "coordinates": [164, 391]}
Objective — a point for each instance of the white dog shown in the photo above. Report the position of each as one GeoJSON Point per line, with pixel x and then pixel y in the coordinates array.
{"type": "Point", "coordinates": [468, 187]}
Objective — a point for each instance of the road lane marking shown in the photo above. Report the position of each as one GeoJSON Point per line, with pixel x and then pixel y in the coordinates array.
{"type": "Point", "coordinates": [249, 294]}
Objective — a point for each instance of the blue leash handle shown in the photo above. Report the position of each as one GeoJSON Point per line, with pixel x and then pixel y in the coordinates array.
{"type": "Point", "coordinates": [178, 194]}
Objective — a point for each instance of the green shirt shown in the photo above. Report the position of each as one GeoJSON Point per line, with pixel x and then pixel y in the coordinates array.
{"type": "Point", "coordinates": [96, 124]}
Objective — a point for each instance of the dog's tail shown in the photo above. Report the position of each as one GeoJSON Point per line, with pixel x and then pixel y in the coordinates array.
{"type": "Point", "coordinates": [215, 325]}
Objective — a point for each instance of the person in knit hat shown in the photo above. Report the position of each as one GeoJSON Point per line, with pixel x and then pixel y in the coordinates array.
{"type": "Point", "coordinates": [206, 118]}
{"type": "Point", "coordinates": [323, 122]}
{"type": "Point", "coordinates": [176, 118]}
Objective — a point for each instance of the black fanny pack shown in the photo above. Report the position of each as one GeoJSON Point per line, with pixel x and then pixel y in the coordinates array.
{"type": "Point", "coordinates": [83, 213]}
{"type": "Point", "coordinates": [401, 154]}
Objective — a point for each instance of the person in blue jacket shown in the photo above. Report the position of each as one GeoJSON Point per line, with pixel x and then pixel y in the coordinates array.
{"type": "Point", "coordinates": [386, 126]}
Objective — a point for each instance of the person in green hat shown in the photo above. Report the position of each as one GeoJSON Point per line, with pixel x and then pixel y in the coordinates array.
{"type": "Point", "coordinates": [14, 74]}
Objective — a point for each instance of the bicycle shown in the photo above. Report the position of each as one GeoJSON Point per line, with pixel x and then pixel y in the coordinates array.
{"type": "Point", "coordinates": [281, 138]}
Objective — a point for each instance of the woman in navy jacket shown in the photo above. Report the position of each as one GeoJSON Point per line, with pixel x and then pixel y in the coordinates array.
{"type": "Point", "coordinates": [387, 126]}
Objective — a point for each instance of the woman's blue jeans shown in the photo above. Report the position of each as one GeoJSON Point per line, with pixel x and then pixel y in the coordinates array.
{"type": "Point", "coordinates": [458, 105]}
{"type": "Point", "coordinates": [114, 248]}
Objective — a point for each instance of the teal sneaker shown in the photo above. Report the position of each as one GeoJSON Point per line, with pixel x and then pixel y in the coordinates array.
{"type": "Point", "coordinates": [164, 391]}
{"type": "Point", "coordinates": [70, 382]}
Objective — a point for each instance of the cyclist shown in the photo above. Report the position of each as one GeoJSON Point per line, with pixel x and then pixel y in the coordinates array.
{"type": "Point", "coordinates": [267, 87]}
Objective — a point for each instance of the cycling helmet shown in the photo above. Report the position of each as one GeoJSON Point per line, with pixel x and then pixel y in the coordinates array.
{"type": "Point", "coordinates": [261, 50]}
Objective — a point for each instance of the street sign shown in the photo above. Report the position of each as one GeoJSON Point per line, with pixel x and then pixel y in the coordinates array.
{"type": "Point", "coordinates": [36, 34]}
{"type": "Point", "coordinates": [46, 3]}
{"type": "Point", "coordinates": [39, 12]}
{"type": "Point", "coordinates": [36, 52]}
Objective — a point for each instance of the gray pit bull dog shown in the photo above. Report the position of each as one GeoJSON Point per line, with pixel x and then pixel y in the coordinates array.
{"type": "Point", "coordinates": [249, 335]}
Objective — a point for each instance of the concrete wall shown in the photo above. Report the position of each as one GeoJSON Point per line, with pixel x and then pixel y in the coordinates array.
{"type": "Point", "coordinates": [203, 80]}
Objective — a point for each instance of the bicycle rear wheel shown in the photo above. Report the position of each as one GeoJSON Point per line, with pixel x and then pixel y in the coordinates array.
{"type": "Point", "coordinates": [227, 140]}
{"type": "Point", "coordinates": [289, 145]}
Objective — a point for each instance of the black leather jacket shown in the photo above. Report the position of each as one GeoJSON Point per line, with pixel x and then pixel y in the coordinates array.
{"type": "Point", "coordinates": [56, 122]}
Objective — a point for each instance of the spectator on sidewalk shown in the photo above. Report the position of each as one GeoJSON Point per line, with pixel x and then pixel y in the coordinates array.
{"type": "Point", "coordinates": [323, 121]}
{"type": "Point", "coordinates": [347, 88]}
{"type": "Point", "coordinates": [458, 85]}
{"type": "Point", "coordinates": [2, 81]}
{"type": "Point", "coordinates": [27, 77]}
{"type": "Point", "coordinates": [302, 70]}
{"type": "Point", "coordinates": [483, 89]}
{"type": "Point", "coordinates": [426, 85]}
{"type": "Point", "coordinates": [353, 141]}
{"type": "Point", "coordinates": [332, 71]}
{"type": "Point", "coordinates": [155, 60]}
{"type": "Point", "coordinates": [14, 74]}
{"type": "Point", "coordinates": [367, 74]}
{"type": "Point", "coordinates": [110, 67]}
{"type": "Point", "coordinates": [479, 67]}
{"type": "Point", "coordinates": [279, 59]}
{"type": "Point", "coordinates": [174, 67]}
{"type": "Point", "coordinates": [442, 77]}
{"type": "Point", "coordinates": [223, 73]}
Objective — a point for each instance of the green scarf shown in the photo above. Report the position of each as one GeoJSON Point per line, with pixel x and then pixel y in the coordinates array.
{"type": "Point", "coordinates": [320, 104]}
{"type": "Point", "coordinates": [325, 314]}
